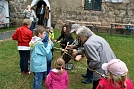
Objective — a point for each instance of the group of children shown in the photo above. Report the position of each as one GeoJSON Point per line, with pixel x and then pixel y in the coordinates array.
{"type": "Point", "coordinates": [40, 47]}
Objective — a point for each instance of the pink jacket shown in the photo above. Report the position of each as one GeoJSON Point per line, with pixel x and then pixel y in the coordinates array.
{"type": "Point", "coordinates": [105, 84]}
{"type": "Point", "coordinates": [56, 81]}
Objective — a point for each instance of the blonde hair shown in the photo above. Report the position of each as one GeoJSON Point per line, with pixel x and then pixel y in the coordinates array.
{"type": "Point", "coordinates": [115, 79]}
{"type": "Point", "coordinates": [39, 29]}
{"type": "Point", "coordinates": [28, 7]}
{"type": "Point", "coordinates": [27, 22]}
{"type": "Point", "coordinates": [59, 63]}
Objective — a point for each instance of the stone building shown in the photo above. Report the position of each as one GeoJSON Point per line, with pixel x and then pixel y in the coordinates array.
{"type": "Point", "coordinates": [62, 10]}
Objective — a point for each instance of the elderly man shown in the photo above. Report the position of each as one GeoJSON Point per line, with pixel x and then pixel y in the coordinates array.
{"type": "Point", "coordinates": [79, 51]}
{"type": "Point", "coordinates": [97, 52]}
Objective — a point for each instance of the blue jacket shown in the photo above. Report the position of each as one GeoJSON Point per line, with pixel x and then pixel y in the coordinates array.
{"type": "Point", "coordinates": [38, 60]}
{"type": "Point", "coordinates": [46, 41]}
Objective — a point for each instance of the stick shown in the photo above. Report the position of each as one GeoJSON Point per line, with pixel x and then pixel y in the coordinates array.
{"type": "Point", "coordinates": [103, 75]}
{"type": "Point", "coordinates": [24, 81]}
{"type": "Point", "coordinates": [65, 49]}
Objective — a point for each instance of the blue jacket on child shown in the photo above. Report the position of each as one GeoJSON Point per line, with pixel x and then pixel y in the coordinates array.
{"type": "Point", "coordinates": [38, 60]}
{"type": "Point", "coordinates": [45, 42]}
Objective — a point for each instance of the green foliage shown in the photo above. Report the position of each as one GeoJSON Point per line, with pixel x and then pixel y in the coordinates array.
{"type": "Point", "coordinates": [11, 78]}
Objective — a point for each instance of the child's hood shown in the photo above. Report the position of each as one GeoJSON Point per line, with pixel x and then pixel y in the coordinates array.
{"type": "Point", "coordinates": [56, 76]}
{"type": "Point", "coordinates": [34, 41]}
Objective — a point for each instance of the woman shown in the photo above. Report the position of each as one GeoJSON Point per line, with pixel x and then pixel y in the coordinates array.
{"type": "Point", "coordinates": [67, 38]}
{"type": "Point", "coordinates": [30, 14]}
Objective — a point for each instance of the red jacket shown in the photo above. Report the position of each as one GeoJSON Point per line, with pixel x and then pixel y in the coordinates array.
{"type": "Point", "coordinates": [23, 35]}
{"type": "Point", "coordinates": [105, 84]}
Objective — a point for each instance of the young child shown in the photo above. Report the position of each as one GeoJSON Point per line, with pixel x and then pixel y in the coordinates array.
{"type": "Point", "coordinates": [51, 33]}
{"type": "Point", "coordinates": [117, 76]}
{"type": "Point", "coordinates": [46, 40]}
{"type": "Point", "coordinates": [58, 77]}
{"type": "Point", "coordinates": [38, 61]}
{"type": "Point", "coordinates": [51, 37]}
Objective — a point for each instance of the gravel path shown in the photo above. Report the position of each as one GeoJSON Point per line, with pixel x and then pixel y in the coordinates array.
{"type": "Point", "coordinates": [6, 35]}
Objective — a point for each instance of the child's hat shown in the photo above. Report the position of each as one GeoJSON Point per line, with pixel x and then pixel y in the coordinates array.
{"type": "Point", "coordinates": [74, 27]}
{"type": "Point", "coordinates": [51, 29]}
{"type": "Point", "coordinates": [116, 67]}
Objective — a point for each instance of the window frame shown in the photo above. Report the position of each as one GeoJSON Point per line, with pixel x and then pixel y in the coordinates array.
{"type": "Point", "coordinates": [92, 8]}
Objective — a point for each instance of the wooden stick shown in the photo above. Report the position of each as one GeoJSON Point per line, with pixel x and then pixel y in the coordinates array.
{"type": "Point", "coordinates": [24, 81]}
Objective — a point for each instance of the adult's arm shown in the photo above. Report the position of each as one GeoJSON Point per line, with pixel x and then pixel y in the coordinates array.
{"type": "Point", "coordinates": [92, 54]}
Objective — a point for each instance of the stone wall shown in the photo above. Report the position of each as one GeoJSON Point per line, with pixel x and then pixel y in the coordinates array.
{"type": "Point", "coordinates": [16, 8]}
{"type": "Point", "coordinates": [62, 10]}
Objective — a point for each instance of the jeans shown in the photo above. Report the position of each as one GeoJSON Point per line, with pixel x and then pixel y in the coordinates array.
{"type": "Point", "coordinates": [32, 27]}
{"type": "Point", "coordinates": [38, 78]}
{"type": "Point", "coordinates": [24, 55]}
{"type": "Point", "coordinates": [89, 73]}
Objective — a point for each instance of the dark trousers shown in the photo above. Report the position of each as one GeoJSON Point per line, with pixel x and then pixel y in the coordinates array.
{"type": "Point", "coordinates": [41, 20]}
{"type": "Point", "coordinates": [95, 84]}
{"type": "Point", "coordinates": [89, 75]}
{"type": "Point", "coordinates": [48, 66]}
{"type": "Point", "coordinates": [24, 55]}
{"type": "Point", "coordinates": [45, 22]}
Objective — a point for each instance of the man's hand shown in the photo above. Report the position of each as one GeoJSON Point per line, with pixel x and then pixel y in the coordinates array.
{"type": "Point", "coordinates": [78, 57]}
{"type": "Point", "coordinates": [69, 46]}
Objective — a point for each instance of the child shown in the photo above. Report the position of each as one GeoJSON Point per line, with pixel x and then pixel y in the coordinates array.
{"type": "Point", "coordinates": [46, 40]}
{"type": "Point", "coordinates": [58, 77]}
{"type": "Point", "coordinates": [51, 37]}
{"type": "Point", "coordinates": [38, 61]}
{"type": "Point", "coordinates": [51, 33]}
{"type": "Point", "coordinates": [23, 35]}
{"type": "Point", "coordinates": [117, 76]}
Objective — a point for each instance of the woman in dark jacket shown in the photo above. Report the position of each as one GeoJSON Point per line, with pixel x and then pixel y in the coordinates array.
{"type": "Point", "coordinates": [65, 37]}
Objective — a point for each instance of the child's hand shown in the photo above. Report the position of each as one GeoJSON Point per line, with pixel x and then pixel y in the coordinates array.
{"type": "Point", "coordinates": [55, 40]}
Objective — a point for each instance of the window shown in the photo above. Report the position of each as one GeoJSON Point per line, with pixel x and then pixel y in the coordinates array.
{"type": "Point", "coordinates": [92, 5]}
{"type": "Point", "coordinates": [114, 1]}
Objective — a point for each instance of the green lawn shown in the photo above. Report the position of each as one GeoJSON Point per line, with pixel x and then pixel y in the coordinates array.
{"type": "Point", "coordinates": [4, 29]}
{"type": "Point", "coordinates": [11, 78]}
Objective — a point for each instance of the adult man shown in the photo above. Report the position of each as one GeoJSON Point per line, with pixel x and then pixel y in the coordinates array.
{"type": "Point", "coordinates": [41, 18]}
{"type": "Point", "coordinates": [97, 52]}
{"type": "Point", "coordinates": [77, 45]}
{"type": "Point", "coordinates": [79, 52]}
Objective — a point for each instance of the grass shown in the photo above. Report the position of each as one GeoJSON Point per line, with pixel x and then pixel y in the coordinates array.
{"type": "Point", "coordinates": [11, 78]}
{"type": "Point", "coordinates": [4, 29]}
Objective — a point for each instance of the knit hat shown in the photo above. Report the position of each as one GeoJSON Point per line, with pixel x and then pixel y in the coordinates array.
{"type": "Point", "coordinates": [116, 67]}
{"type": "Point", "coordinates": [51, 29]}
{"type": "Point", "coordinates": [74, 27]}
